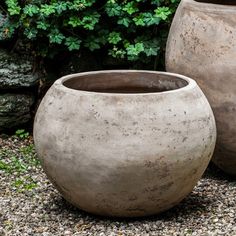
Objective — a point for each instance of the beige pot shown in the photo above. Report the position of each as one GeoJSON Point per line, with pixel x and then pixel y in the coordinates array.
{"type": "Point", "coordinates": [202, 45]}
{"type": "Point", "coordinates": [124, 143]}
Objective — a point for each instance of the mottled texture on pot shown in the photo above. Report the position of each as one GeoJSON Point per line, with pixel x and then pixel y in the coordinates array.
{"type": "Point", "coordinates": [202, 45]}
{"type": "Point", "coordinates": [127, 149]}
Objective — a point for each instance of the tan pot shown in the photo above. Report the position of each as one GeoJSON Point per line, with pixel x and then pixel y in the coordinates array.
{"type": "Point", "coordinates": [124, 143]}
{"type": "Point", "coordinates": [202, 45]}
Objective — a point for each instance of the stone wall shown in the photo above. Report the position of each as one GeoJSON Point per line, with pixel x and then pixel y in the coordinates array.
{"type": "Point", "coordinates": [18, 84]}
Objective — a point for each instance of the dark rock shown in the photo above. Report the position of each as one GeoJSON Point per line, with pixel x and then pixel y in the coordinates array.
{"type": "Point", "coordinates": [16, 71]}
{"type": "Point", "coordinates": [15, 110]}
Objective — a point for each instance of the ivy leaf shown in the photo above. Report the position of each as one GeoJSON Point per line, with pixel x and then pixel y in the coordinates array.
{"type": "Point", "coordinates": [103, 36]}
{"type": "Point", "coordinates": [92, 43]}
{"type": "Point", "coordinates": [60, 7]}
{"type": "Point", "coordinates": [31, 33]}
{"type": "Point", "coordinates": [117, 53]}
{"type": "Point", "coordinates": [73, 43]}
{"type": "Point", "coordinates": [87, 22]}
{"type": "Point", "coordinates": [42, 25]}
{"type": "Point", "coordinates": [163, 12]}
{"type": "Point", "coordinates": [81, 4]}
{"type": "Point", "coordinates": [47, 9]}
{"type": "Point", "coordinates": [90, 20]}
{"type": "Point", "coordinates": [114, 38]}
{"type": "Point", "coordinates": [139, 20]}
{"type": "Point", "coordinates": [151, 49]}
{"type": "Point", "coordinates": [151, 19]}
{"type": "Point", "coordinates": [56, 37]}
{"type": "Point", "coordinates": [113, 9]}
{"type": "Point", "coordinates": [134, 50]}
{"type": "Point", "coordinates": [74, 21]}
{"type": "Point", "coordinates": [156, 2]}
{"type": "Point", "coordinates": [124, 21]}
{"type": "Point", "coordinates": [31, 10]}
{"type": "Point", "coordinates": [13, 7]}
{"type": "Point", "coordinates": [151, 46]}
{"type": "Point", "coordinates": [130, 8]}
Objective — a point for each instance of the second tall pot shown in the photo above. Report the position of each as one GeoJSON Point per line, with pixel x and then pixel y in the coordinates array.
{"type": "Point", "coordinates": [202, 45]}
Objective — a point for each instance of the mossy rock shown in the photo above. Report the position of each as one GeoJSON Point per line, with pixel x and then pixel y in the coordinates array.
{"type": "Point", "coordinates": [16, 71]}
{"type": "Point", "coordinates": [15, 110]}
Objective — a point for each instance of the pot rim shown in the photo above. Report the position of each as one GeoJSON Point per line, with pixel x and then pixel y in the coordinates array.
{"type": "Point", "coordinates": [59, 83]}
{"type": "Point", "coordinates": [209, 7]}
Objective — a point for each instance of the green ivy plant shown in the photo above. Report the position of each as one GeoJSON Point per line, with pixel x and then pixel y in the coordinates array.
{"type": "Point", "coordinates": [125, 29]}
{"type": "Point", "coordinates": [21, 133]}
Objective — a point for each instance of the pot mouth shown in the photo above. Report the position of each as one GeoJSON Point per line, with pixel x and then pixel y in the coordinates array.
{"type": "Point", "coordinates": [125, 82]}
{"type": "Point", "coordinates": [219, 2]}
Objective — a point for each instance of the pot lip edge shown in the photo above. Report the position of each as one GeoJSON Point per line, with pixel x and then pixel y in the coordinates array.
{"type": "Point", "coordinates": [59, 83]}
{"type": "Point", "coordinates": [212, 7]}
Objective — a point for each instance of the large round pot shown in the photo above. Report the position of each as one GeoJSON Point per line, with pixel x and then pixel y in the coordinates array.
{"type": "Point", "coordinates": [202, 45]}
{"type": "Point", "coordinates": [124, 143]}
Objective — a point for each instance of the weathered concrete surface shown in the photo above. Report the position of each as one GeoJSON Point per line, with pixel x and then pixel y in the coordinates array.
{"type": "Point", "coordinates": [124, 154]}
{"type": "Point", "coordinates": [14, 110]}
{"type": "Point", "coordinates": [16, 71]}
{"type": "Point", "coordinates": [202, 45]}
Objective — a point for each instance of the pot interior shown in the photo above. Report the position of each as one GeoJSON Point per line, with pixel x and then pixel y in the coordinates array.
{"type": "Point", "coordinates": [125, 82]}
{"type": "Point", "coordinates": [222, 2]}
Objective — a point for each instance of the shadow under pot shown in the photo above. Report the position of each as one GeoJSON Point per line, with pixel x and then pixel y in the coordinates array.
{"type": "Point", "coordinates": [124, 143]}
{"type": "Point", "coordinates": [202, 45]}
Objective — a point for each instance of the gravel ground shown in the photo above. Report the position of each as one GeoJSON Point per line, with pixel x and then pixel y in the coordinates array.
{"type": "Point", "coordinates": [29, 204]}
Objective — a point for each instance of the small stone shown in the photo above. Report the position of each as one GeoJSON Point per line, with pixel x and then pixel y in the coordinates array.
{"type": "Point", "coordinates": [67, 233]}
{"type": "Point", "coordinates": [46, 234]}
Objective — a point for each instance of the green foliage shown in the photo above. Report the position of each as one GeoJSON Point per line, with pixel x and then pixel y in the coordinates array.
{"type": "Point", "coordinates": [23, 184]}
{"type": "Point", "coordinates": [10, 162]}
{"type": "Point", "coordinates": [130, 30]}
{"type": "Point", "coordinates": [13, 7]}
{"type": "Point", "coordinates": [18, 163]}
{"type": "Point", "coordinates": [21, 133]}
